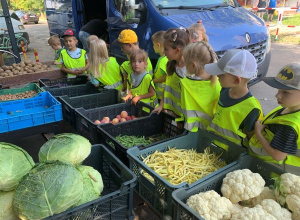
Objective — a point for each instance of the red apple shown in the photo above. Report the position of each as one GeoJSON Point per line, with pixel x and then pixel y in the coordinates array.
{"type": "Point", "coordinates": [128, 118]}
{"type": "Point", "coordinates": [118, 117]}
{"type": "Point", "coordinates": [124, 114]}
{"type": "Point", "coordinates": [106, 119]}
{"type": "Point", "coordinates": [97, 122]}
{"type": "Point", "coordinates": [123, 120]}
{"type": "Point", "coordinates": [133, 117]}
{"type": "Point", "coordinates": [115, 121]}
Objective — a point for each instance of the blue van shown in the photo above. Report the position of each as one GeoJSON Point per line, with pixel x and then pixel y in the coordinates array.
{"type": "Point", "coordinates": [228, 25]}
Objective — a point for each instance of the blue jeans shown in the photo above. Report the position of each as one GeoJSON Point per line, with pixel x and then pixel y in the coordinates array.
{"type": "Point", "coordinates": [83, 39]}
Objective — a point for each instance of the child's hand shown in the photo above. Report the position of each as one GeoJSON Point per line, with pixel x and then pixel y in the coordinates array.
{"type": "Point", "coordinates": [258, 127]}
{"type": "Point", "coordinates": [158, 109]}
{"type": "Point", "coordinates": [135, 100]}
{"type": "Point", "coordinates": [129, 96]}
{"type": "Point", "coordinates": [56, 63]}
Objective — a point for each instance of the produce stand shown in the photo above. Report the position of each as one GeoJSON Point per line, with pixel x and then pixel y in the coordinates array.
{"type": "Point", "coordinates": [116, 199]}
{"type": "Point", "coordinates": [158, 195]}
{"type": "Point", "coordinates": [85, 118]}
{"type": "Point", "coordinates": [30, 78]}
{"type": "Point", "coordinates": [31, 87]}
{"type": "Point", "coordinates": [266, 170]}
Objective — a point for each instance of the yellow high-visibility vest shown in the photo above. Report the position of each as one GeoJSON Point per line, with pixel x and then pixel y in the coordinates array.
{"type": "Point", "coordinates": [72, 63]}
{"type": "Point", "coordinates": [160, 70]}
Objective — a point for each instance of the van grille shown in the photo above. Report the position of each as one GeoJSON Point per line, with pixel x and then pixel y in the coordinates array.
{"type": "Point", "coordinates": [258, 50]}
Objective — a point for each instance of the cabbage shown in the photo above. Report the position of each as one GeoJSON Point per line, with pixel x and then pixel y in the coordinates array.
{"type": "Point", "coordinates": [14, 164]}
{"type": "Point", "coordinates": [6, 209]}
{"type": "Point", "coordinates": [71, 148]}
{"type": "Point", "coordinates": [49, 188]}
{"type": "Point", "coordinates": [92, 184]}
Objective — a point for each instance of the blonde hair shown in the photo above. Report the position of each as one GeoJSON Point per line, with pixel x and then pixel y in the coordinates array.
{"type": "Point", "coordinates": [91, 38]}
{"type": "Point", "coordinates": [98, 56]}
{"type": "Point", "coordinates": [158, 37]}
{"type": "Point", "coordinates": [54, 39]}
{"type": "Point", "coordinates": [176, 38]}
{"type": "Point", "coordinates": [200, 27]}
{"type": "Point", "coordinates": [201, 53]}
{"type": "Point", "coordinates": [136, 54]}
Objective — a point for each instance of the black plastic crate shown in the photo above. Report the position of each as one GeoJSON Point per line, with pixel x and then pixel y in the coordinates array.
{"type": "Point", "coordinates": [153, 126]}
{"type": "Point", "coordinates": [116, 200]}
{"type": "Point", "coordinates": [85, 118]}
{"type": "Point", "coordinates": [180, 196]}
{"type": "Point", "coordinates": [69, 104]}
{"type": "Point", "coordinates": [72, 91]}
{"type": "Point", "coordinates": [65, 82]}
{"type": "Point", "coordinates": [158, 194]}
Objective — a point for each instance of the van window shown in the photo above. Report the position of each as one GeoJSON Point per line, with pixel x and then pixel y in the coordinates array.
{"type": "Point", "coordinates": [196, 3]}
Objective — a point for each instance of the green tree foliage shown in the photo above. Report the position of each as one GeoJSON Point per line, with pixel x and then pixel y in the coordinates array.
{"type": "Point", "coordinates": [27, 5]}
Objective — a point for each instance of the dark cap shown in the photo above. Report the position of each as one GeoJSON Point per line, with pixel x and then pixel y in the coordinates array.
{"type": "Point", "coordinates": [68, 32]}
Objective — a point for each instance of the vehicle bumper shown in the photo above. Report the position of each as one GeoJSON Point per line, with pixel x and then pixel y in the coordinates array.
{"type": "Point", "coordinates": [262, 69]}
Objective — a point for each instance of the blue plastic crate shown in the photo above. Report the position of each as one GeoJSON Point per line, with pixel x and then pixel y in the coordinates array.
{"type": "Point", "coordinates": [39, 110]}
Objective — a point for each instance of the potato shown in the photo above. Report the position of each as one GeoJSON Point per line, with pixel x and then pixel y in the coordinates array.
{"type": "Point", "coordinates": [10, 67]}
{"type": "Point", "coordinates": [18, 68]}
{"type": "Point", "coordinates": [45, 66]}
{"type": "Point", "coordinates": [10, 74]}
{"type": "Point", "coordinates": [5, 67]}
{"type": "Point", "coordinates": [22, 62]}
{"type": "Point", "coordinates": [28, 62]}
{"type": "Point", "coordinates": [8, 71]}
{"type": "Point", "coordinates": [14, 65]}
{"type": "Point", "coordinates": [2, 74]}
{"type": "Point", "coordinates": [1, 70]}
{"type": "Point", "coordinates": [23, 65]}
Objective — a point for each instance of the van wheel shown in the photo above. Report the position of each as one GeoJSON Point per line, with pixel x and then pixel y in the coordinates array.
{"type": "Point", "coordinates": [36, 22]}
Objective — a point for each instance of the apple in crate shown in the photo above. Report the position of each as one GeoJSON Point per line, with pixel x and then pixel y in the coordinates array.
{"type": "Point", "coordinates": [115, 121]}
{"type": "Point", "coordinates": [133, 117]}
{"type": "Point", "coordinates": [105, 120]}
{"type": "Point", "coordinates": [128, 118]}
{"type": "Point", "coordinates": [118, 117]}
{"type": "Point", "coordinates": [97, 122]}
{"type": "Point", "coordinates": [123, 120]}
{"type": "Point", "coordinates": [124, 114]}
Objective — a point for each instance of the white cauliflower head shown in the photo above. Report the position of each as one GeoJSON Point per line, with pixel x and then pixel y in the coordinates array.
{"type": "Point", "coordinates": [274, 208]}
{"type": "Point", "coordinates": [210, 205]}
{"type": "Point", "coordinates": [293, 203]}
{"type": "Point", "coordinates": [241, 185]}
{"type": "Point", "coordinates": [267, 193]}
{"type": "Point", "coordinates": [256, 213]}
{"type": "Point", "coordinates": [286, 184]}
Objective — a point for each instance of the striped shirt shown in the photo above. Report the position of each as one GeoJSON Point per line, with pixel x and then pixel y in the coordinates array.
{"type": "Point", "coordinates": [285, 137]}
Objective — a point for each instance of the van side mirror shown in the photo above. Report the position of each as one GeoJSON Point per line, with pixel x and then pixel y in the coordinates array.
{"type": "Point", "coordinates": [131, 12]}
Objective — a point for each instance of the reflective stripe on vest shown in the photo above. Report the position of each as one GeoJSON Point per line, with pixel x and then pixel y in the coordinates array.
{"type": "Point", "coordinates": [198, 101]}
{"type": "Point", "coordinates": [72, 63]}
{"type": "Point", "coordinates": [172, 91]}
{"type": "Point", "coordinates": [143, 88]}
{"type": "Point", "coordinates": [292, 162]}
{"type": "Point", "coordinates": [110, 75]}
{"type": "Point", "coordinates": [227, 120]}
{"type": "Point", "coordinates": [160, 71]}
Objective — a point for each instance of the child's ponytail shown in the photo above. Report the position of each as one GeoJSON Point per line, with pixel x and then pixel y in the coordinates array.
{"type": "Point", "coordinates": [98, 56]}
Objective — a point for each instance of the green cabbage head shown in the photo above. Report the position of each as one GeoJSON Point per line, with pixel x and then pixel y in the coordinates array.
{"type": "Point", "coordinates": [14, 164]}
{"type": "Point", "coordinates": [71, 148]}
{"type": "Point", "coordinates": [92, 184]}
{"type": "Point", "coordinates": [6, 208]}
{"type": "Point", "coordinates": [49, 188]}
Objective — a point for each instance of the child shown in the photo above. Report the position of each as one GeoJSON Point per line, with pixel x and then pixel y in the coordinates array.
{"type": "Point", "coordinates": [175, 41]}
{"type": "Point", "coordinates": [199, 91]}
{"type": "Point", "coordinates": [198, 32]}
{"type": "Point", "coordinates": [103, 69]}
{"type": "Point", "coordinates": [54, 42]}
{"type": "Point", "coordinates": [129, 42]}
{"type": "Point", "coordinates": [237, 109]}
{"type": "Point", "coordinates": [89, 39]}
{"type": "Point", "coordinates": [277, 136]}
{"type": "Point", "coordinates": [160, 72]}
{"type": "Point", "coordinates": [74, 60]}
{"type": "Point", "coordinates": [141, 86]}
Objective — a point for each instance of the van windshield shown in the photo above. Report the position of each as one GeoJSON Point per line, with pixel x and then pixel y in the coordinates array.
{"type": "Point", "coordinates": [193, 3]}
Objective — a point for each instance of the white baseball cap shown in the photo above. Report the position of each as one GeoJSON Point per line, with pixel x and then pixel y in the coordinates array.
{"type": "Point", "coordinates": [288, 78]}
{"type": "Point", "coordinates": [237, 62]}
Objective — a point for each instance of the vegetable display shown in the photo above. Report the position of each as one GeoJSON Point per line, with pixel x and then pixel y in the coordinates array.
{"type": "Point", "coordinates": [14, 164]}
{"type": "Point", "coordinates": [181, 165]}
{"type": "Point", "coordinates": [118, 119]}
{"type": "Point", "coordinates": [27, 67]}
{"type": "Point", "coordinates": [239, 185]}
{"type": "Point", "coordinates": [49, 188]}
{"type": "Point", "coordinates": [130, 140]}
{"type": "Point", "coordinates": [67, 147]}
{"type": "Point", "coordinates": [21, 95]}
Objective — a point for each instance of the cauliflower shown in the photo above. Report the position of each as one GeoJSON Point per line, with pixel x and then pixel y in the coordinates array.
{"type": "Point", "coordinates": [267, 193]}
{"type": "Point", "coordinates": [210, 205]}
{"type": "Point", "coordinates": [286, 184]}
{"type": "Point", "coordinates": [274, 208]}
{"type": "Point", "coordinates": [293, 203]}
{"type": "Point", "coordinates": [236, 208]}
{"type": "Point", "coordinates": [241, 185]}
{"type": "Point", "coordinates": [256, 213]}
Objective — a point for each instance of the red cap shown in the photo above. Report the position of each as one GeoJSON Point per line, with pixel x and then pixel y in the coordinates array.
{"type": "Point", "coordinates": [68, 32]}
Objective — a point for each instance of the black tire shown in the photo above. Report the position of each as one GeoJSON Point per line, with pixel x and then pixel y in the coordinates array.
{"type": "Point", "coordinates": [36, 22]}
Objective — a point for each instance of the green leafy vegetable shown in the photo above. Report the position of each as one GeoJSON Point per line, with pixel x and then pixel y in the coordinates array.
{"type": "Point", "coordinates": [92, 184]}
{"type": "Point", "coordinates": [14, 164]}
{"type": "Point", "coordinates": [49, 188]}
{"type": "Point", "coordinates": [71, 148]}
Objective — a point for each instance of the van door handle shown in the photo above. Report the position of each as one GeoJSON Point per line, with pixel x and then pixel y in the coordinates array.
{"type": "Point", "coordinates": [70, 22]}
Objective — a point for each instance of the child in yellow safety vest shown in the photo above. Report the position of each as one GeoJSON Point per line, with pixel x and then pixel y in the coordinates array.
{"type": "Point", "coordinates": [237, 109]}
{"type": "Point", "coordinates": [103, 69]}
{"type": "Point", "coordinates": [199, 91]}
{"type": "Point", "coordinates": [277, 136]}
{"type": "Point", "coordinates": [55, 43]}
{"type": "Point", "coordinates": [198, 32]}
{"type": "Point", "coordinates": [128, 41]}
{"type": "Point", "coordinates": [160, 72]}
{"type": "Point", "coordinates": [175, 40]}
{"type": "Point", "coordinates": [141, 87]}
{"type": "Point", "coordinates": [74, 60]}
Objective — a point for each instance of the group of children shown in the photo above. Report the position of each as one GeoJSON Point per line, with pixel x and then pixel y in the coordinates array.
{"type": "Point", "coordinates": [191, 84]}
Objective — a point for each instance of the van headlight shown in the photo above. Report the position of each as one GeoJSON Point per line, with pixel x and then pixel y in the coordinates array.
{"type": "Point", "coordinates": [268, 44]}
{"type": "Point", "coordinates": [21, 27]}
